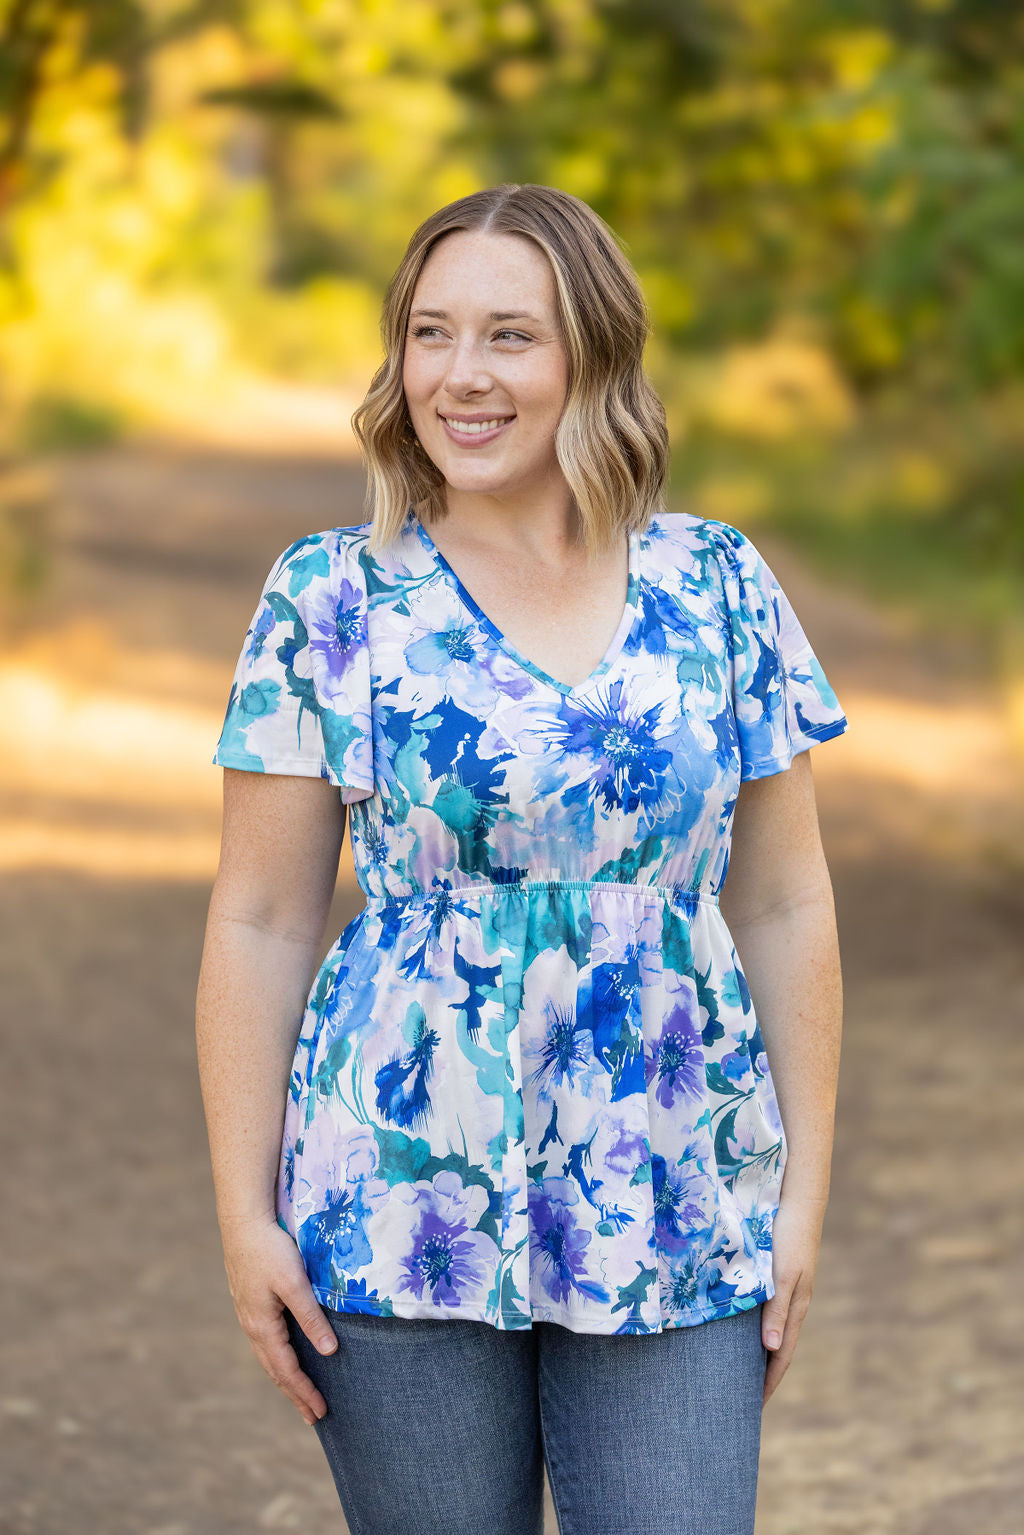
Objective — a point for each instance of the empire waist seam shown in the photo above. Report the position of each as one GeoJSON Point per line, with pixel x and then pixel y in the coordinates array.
{"type": "Point", "coordinates": [683, 894]}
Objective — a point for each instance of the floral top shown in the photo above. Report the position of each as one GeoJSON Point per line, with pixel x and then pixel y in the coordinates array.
{"type": "Point", "coordinates": [529, 1082]}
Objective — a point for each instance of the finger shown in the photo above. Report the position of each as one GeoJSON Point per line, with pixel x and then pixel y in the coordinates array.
{"type": "Point", "coordinates": [779, 1360]}
{"type": "Point", "coordinates": [773, 1321]}
{"type": "Point", "coordinates": [775, 1312]}
{"type": "Point", "coordinates": [308, 1313]}
{"type": "Point", "coordinates": [281, 1363]}
{"type": "Point", "coordinates": [273, 1348]}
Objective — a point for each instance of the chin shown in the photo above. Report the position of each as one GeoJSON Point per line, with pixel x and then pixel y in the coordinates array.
{"type": "Point", "coordinates": [482, 480]}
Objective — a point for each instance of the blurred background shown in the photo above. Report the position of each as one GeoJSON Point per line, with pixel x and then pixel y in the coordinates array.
{"type": "Point", "coordinates": [200, 206]}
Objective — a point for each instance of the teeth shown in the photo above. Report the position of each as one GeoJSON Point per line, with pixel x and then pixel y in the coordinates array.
{"type": "Point", "coordinates": [474, 428]}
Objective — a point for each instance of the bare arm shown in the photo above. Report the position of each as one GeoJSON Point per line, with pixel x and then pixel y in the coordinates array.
{"type": "Point", "coordinates": [778, 902]}
{"type": "Point", "coordinates": [281, 843]}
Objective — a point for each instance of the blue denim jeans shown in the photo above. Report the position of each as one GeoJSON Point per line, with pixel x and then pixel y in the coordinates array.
{"type": "Point", "coordinates": [444, 1427]}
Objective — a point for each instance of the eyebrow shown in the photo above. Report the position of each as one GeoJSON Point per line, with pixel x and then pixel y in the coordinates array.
{"type": "Point", "coordinates": [495, 314]}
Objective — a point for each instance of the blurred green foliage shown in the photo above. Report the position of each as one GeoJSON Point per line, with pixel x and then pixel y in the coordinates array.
{"type": "Point", "coordinates": [825, 204]}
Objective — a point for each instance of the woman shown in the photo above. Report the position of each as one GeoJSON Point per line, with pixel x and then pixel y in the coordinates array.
{"type": "Point", "coordinates": [500, 1181]}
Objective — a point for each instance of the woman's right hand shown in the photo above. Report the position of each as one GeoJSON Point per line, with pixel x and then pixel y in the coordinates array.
{"type": "Point", "coordinates": [266, 1274]}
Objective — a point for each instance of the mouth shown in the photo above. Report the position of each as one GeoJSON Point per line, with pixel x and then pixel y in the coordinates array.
{"type": "Point", "coordinates": [474, 434]}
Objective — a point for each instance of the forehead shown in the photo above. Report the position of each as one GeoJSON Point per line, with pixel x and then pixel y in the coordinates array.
{"type": "Point", "coordinates": [470, 270]}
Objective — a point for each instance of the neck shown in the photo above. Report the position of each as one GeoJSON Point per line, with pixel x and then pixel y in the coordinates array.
{"type": "Point", "coordinates": [544, 518]}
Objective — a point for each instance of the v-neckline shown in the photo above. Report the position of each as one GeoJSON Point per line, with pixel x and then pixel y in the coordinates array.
{"type": "Point", "coordinates": [611, 655]}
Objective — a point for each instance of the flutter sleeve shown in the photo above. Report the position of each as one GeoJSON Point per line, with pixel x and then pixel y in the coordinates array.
{"type": "Point", "coordinates": [782, 701]}
{"type": "Point", "coordinates": [300, 696]}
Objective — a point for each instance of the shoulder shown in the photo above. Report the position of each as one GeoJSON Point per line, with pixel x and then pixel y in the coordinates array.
{"type": "Point", "coordinates": [318, 559]}
{"type": "Point", "coordinates": [341, 543]}
{"type": "Point", "coordinates": [687, 528]}
{"type": "Point", "coordinates": [706, 547]}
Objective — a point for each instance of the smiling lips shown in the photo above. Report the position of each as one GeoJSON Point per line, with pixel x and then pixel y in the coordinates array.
{"type": "Point", "coordinates": [474, 433]}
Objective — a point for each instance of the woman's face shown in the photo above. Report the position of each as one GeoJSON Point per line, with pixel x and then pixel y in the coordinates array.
{"type": "Point", "coordinates": [484, 346]}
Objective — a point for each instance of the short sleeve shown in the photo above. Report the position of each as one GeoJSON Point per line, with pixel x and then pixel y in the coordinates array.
{"type": "Point", "coordinates": [300, 696]}
{"type": "Point", "coordinates": [782, 701]}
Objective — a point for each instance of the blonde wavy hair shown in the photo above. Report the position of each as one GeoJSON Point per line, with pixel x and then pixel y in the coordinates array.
{"type": "Point", "coordinates": [611, 441]}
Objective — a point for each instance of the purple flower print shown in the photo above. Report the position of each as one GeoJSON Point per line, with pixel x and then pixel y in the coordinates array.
{"type": "Point", "coordinates": [449, 1262]}
{"type": "Point", "coordinates": [675, 1059]}
{"type": "Point", "coordinates": [678, 1206]}
{"type": "Point", "coordinates": [558, 1244]}
{"type": "Point", "coordinates": [337, 638]}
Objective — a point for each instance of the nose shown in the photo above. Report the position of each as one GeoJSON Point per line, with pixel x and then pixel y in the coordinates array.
{"type": "Point", "coordinates": [466, 372]}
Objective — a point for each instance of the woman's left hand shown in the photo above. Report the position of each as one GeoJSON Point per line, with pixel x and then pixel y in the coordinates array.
{"type": "Point", "coordinates": [796, 1239]}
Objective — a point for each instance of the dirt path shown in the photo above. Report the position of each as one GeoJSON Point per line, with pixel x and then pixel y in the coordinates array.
{"type": "Point", "coordinates": [130, 1400]}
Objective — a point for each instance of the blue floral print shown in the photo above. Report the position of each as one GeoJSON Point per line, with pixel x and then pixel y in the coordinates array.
{"type": "Point", "coordinates": [529, 1082]}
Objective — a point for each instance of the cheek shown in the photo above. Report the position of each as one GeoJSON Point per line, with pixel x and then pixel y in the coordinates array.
{"type": "Point", "coordinates": [417, 380]}
{"type": "Point", "coordinates": [409, 383]}
{"type": "Point", "coordinates": [543, 393]}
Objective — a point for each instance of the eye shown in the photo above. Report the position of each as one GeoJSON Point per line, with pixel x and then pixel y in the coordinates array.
{"type": "Point", "coordinates": [516, 335]}
{"type": "Point", "coordinates": [422, 330]}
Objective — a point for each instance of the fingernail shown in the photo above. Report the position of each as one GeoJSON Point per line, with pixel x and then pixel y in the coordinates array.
{"type": "Point", "coordinates": [772, 1340]}
{"type": "Point", "coordinates": [328, 1345]}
